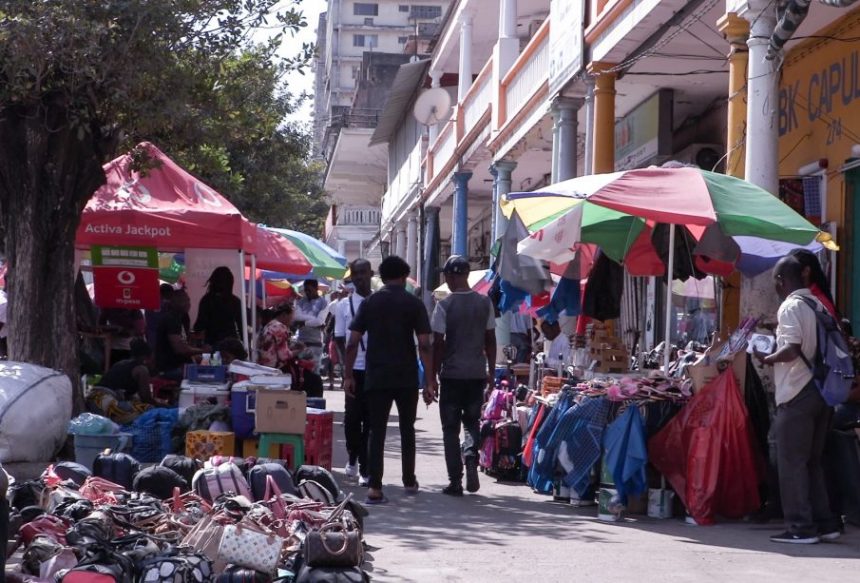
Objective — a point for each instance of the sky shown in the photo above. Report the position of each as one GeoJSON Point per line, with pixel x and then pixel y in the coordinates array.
{"type": "Point", "coordinates": [291, 46]}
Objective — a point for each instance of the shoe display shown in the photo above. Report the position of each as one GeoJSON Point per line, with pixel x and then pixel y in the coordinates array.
{"type": "Point", "coordinates": [795, 538]}
{"type": "Point", "coordinates": [453, 490]}
{"type": "Point", "coordinates": [473, 483]}
{"type": "Point", "coordinates": [351, 471]}
{"type": "Point", "coordinates": [364, 481]}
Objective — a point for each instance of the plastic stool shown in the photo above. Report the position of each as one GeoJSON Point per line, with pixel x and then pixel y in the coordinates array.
{"type": "Point", "coordinates": [294, 439]}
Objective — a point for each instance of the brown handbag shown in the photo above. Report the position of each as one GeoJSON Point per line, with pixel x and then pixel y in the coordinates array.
{"type": "Point", "coordinates": [336, 543]}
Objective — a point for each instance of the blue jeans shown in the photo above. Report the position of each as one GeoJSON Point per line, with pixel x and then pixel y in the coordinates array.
{"type": "Point", "coordinates": [460, 405]}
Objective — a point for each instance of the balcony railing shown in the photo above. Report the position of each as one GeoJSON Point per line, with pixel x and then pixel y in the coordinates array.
{"type": "Point", "coordinates": [358, 216]}
{"type": "Point", "coordinates": [477, 101]}
{"type": "Point", "coordinates": [442, 149]}
{"type": "Point", "coordinates": [527, 75]}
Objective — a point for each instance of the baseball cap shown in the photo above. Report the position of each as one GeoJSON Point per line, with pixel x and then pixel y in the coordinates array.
{"type": "Point", "coordinates": [457, 265]}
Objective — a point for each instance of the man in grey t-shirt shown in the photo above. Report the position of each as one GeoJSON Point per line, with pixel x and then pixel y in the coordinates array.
{"type": "Point", "coordinates": [464, 346]}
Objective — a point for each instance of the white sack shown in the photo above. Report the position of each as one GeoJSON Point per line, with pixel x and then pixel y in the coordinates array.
{"type": "Point", "coordinates": [35, 410]}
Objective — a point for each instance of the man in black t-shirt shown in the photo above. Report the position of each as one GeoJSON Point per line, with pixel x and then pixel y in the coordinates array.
{"type": "Point", "coordinates": [172, 351]}
{"type": "Point", "coordinates": [392, 318]}
{"type": "Point", "coordinates": [130, 377]}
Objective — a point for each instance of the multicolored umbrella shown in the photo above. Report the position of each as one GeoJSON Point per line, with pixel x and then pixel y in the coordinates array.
{"type": "Point", "coordinates": [325, 261]}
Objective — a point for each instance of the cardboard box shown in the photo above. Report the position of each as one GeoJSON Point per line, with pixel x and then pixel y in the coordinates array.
{"type": "Point", "coordinates": [280, 411]}
{"type": "Point", "coordinates": [202, 445]}
{"type": "Point", "coordinates": [708, 368]}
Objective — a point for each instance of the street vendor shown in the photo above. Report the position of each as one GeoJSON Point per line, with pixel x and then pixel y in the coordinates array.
{"type": "Point", "coordinates": [130, 378]}
{"type": "Point", "coordinates": [309, 313]}
{"type": "Point", "coordinates": [558, 352]}
{"type": "Point", "coordinates": [173, 350]}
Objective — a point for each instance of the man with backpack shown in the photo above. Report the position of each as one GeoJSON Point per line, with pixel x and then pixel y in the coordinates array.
{"type": "Point", "coordinates": [464, 342]}
{"type": "Point", "coordinates": [802, 416]}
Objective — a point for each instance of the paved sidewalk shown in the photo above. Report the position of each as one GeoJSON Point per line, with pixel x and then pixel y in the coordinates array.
{"type": "Point", "coordinates": [508, 533]}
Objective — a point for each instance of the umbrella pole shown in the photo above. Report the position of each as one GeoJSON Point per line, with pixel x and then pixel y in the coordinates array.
{"type": "Point", "coordinates": [243, 297]}
{"type": "Point", "coordinates": [251, 290]}
{"type": "Point", "coordinates": [670, 272]}
{"type": "Point", "coordinates": [263, 293]}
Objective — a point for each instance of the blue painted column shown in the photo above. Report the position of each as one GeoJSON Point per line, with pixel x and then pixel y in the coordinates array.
{"type": "Point", "coordinates": [460, 225]}
{"type": "Point", "coordinates": [502, 186]}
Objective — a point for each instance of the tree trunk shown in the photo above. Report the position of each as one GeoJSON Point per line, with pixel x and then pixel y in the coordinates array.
{"type": "Point", "coordinates": [48, 170]}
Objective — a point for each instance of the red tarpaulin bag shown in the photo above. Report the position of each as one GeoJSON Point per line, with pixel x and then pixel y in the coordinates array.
{"type": "Point", "coordinates": [706, 453]}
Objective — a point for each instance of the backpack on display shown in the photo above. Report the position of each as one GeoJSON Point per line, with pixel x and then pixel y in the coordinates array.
{"type": "Point", "coordinates": [242, 575]}
{"type": "Point", "coordinates": [77, 473]}
{"type": "Point", "coordinates": [322, 477]}
{"type": "Point", "coordinates": [244, 464]}
{"type": "Point", "coordinates": [331, 575]}
{"type": "Point", "coordinates": [257, 480]}
{"type": "Point", "coordinates": [24, 494]}
{"type": "Point", "coordinates": [119, 468]}
{"type": "Point", "coordinates": [182, 465]}
{"type": "Point", "coordinates": [315, 491]}
{"type": "Point", "coordinates": [210, 483]}
{"type": "Point", "coordinates": [832, 367]}
{"type": "Point", "coordinates": [159, 481]}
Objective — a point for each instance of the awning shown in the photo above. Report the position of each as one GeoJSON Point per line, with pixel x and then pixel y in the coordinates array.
{"type": "Point", "coordinates": [409, 79]}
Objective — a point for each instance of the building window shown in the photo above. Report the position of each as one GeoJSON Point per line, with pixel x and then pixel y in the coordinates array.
{"type": "Point", "coordinates": [404, 8]}
{"type": "Point", "coordinates": [372, 40]}
{"type": "Point", "coordinates": [402, 40]}
{"type": "Point", "coordinates": [368, 22]}
{"type": "Point", "coordinates": [426, 12]}
{"type": "Point", "coordinates": [356, 72]}
{"type": "Point", "coordinates": [365, 9]}
{"type": "Point", "coordinates": [358, 40]}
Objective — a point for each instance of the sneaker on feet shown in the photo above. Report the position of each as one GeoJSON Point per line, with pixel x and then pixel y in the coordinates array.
{"type": "Point", "coordinates": [795, 538]}
{"type": "Point", "coordinates": [351, 471]}
{"type": "Point", "coordinates": [364, 481]}
{"type": "Point", "coordinates": [473, 483]}
{"type": "Point", "coordinates": [830, 534]}
{"type": "Point", "coordinates": [453, 490]}
{"type": "Point", "coordinates": [411, 490]}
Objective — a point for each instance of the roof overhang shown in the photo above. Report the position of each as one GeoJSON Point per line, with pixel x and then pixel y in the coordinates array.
{"type": "Point", "coordinates": [409, 79]}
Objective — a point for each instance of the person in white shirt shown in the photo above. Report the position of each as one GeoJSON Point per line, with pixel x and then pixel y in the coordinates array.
{"type": "Point", "coordinates": [558, 352]}
{"type": "Point", "coordinates": [802, 416]}
{"type": "Point", "coordinates": [356, 417]}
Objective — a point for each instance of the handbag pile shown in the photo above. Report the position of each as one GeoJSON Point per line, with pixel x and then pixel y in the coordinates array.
{"type": "Point", "coordinates": [237, 521]}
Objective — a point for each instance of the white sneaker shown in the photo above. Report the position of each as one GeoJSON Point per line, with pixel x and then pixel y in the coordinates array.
{"type": "Point", "coordinates": [351, 471]}
{"type": "Point", "coordinates": [364, 481]}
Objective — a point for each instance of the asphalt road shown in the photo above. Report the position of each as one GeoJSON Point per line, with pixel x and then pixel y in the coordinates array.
{"type": "Point", "coordinates": [506, 532]}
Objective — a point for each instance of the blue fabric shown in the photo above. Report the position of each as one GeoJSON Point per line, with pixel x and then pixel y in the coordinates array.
{"type": "Point", "coordinates": [577, 441]}
{"type": "Point", "coordinates": [152, 434]}
{"type": "Point", "coordinates": [542, 472]}
{"type": "Point", "coordinates": [512, 296]}
{"type": "Point", "coordinates": [566, 299]}
{"type": "Point", "coordinates": [626, 454]}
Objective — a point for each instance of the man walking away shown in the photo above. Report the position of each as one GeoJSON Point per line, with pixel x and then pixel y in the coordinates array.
{"type": "Point", "coordinates": [309, 312]}
{"type": "Point", "coordinates": [802, 416]}
{"type": "Point", "coordinates": [356, 417]}
{"type": "Point", "coordinates": [464, 344]}
{"type": "Point", "coordinates": [391, 317]}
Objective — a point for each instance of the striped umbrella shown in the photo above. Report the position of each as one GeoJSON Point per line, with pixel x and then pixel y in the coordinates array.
{"type": "Point", "coordinates": [325, 261]}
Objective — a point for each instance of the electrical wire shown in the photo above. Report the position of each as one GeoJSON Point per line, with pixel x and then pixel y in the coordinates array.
{"type": "Point", "coordinates": [682, 74]}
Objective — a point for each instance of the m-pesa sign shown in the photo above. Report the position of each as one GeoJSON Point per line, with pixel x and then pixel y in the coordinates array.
{"type": "Point", "coordinates": [126, 277]}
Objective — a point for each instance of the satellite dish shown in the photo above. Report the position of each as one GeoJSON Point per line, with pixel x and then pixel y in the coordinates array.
{"type": "Point", "coordinates": [432, 106]}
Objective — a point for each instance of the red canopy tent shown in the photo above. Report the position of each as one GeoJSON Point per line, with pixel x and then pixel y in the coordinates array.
{"type": "Point", "coordinates": [166, 208]}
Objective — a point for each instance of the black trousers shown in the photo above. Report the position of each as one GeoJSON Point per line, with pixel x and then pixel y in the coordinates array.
{"type": "Point", "coordinates": [356, 424]}
{"type": "Point", "coordinates": [460, 404]}
{"type": "Point", "coordinates": [380, 401]}
{"type": "Point", "coordinates": [800, 428]}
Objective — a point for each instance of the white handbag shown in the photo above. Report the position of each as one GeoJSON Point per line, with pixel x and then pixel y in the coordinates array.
{"type": "Point", "coordinates": [246, 546]}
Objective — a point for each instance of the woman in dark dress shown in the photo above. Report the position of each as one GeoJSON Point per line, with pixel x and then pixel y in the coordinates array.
{"type": "Point", "coordinates": [219, 314]}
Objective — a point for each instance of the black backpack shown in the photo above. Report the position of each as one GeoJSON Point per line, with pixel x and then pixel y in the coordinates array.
{"type": "Point", "coordinates": [242, 575]}
{"type": "Point", "coordinates": [159, 482]}
{"type": "Point", "coordinates": [77, 473]}
{"type": "Point", "coordinates": [331, 575]}
{"type": "Point", "coordinates": [24, 494]}
{"type": "Point", "coordinates": [321, 476]}
{"type": "Point", "coordinates": [182, 465]}
{"type": "Point", "coordinates": [257, 480]}
{"type": "Point", "coordinates": [119, 468]}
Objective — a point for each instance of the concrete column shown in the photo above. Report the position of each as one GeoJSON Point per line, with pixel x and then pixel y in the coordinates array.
{"type": "Point", "coordinates": [341, 247]}
{"type": "Point", "coordinates": [465, 58]}
{"type": "Point", "coordinates": [497, 208]}
{"type": "Point", "coordinates": [588, 165]}
{"type": "Point", "coordinates": [501, 172]}
{"type": "Point", "coordinates": [412, 242]}
{"type": "Point", "coordinates": [736, 31]}
{"type": "Point", "coordinates": [604, 117]}
{"type": "Point", "coordinates": [762, 141]}
{"type": "Point", "coordinates": [400, 246]}
{"type": "Point", "coordinates": [507, 48]}
{"type": "Point", "coordinates": [460, 226]}
{"type": "Point", "coordinates": [435, 81]}
{"type": "Point", "coordinates": [761, 156]}
{"type": "Point", "coordinates": [565, 129]}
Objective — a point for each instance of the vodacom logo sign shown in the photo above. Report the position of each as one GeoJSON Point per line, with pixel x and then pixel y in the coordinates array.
{"type": "Point", "coordinates": [135, 191]}
{"type": "Point", "coordinates": [125, 277]}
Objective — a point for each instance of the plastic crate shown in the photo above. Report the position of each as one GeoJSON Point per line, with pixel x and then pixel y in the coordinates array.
{"type": "Point", "coordinates": [319, 438]}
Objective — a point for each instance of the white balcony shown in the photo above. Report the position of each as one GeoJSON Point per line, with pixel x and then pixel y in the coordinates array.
{"type": "Point", "coordinates": [528, 75]}
{"type": "Point", "coordinates": [478, 99]}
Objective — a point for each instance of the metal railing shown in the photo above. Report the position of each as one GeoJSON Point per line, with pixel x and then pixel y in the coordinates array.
{"type": "Point", "coordinates": [477, 100]}
{"type": "Point", "coordinates": [528, 74]}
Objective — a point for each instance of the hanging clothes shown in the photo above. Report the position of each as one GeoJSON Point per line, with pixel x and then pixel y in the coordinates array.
{"type": "Point", "coordinates": [542, 470]}
{"type": "Point", "coordinates": [577, 441]}
{"type": "Point", "coordinates": [566, 299]}
{"type": "Point", "coordinates": [605, 287]}
{"type": "Point", "coordinates": [626, 454]}
{"type": "Point", "coordinates": [685, 244]}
